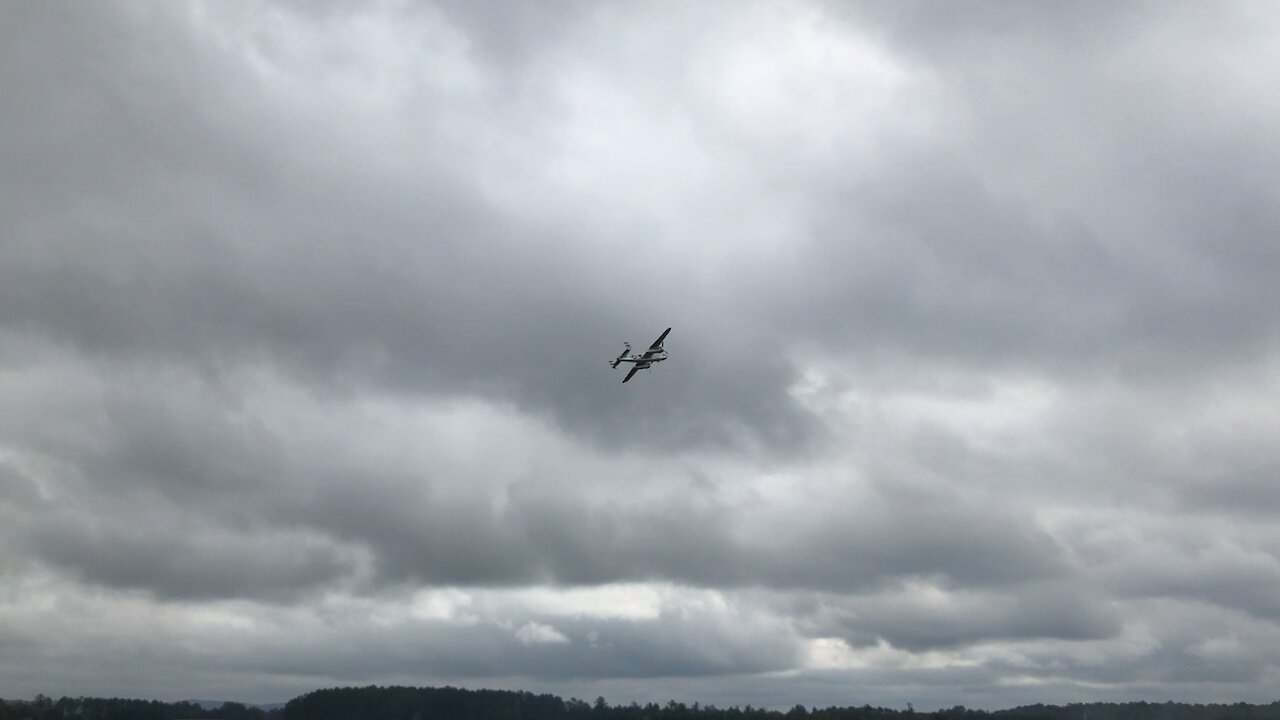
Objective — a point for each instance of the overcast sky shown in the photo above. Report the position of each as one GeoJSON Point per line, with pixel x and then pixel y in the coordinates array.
{"type": "Point", "coordinates": [974, 389]}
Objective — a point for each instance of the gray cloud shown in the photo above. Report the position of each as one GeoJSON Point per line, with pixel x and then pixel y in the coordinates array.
{"type": "Point", "coordinates": [1042, 612]}
{"type": "Point", "coordinates": [1069, 246]}
{"type": "Point", "coordinates": [422, 286]}
{"type": "Point", "coordinates": [166, 473]}
{"type": "Point", "coordinates": [185, 564]}
{"type": "Point", "coordinates": [694, 645]}
{"type": "Point", "coordinates": [303, 309]}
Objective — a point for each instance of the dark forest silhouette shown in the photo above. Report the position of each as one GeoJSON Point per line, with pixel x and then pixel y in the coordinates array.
{"type": "Point", "coordinates": [448, 703]}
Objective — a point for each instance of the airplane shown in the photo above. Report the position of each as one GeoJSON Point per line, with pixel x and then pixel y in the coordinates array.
{"type": "Point", "coordinates": [645, 360]}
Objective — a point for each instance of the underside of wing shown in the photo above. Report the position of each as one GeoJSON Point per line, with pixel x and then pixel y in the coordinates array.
{"type": "Point", "coordinates": [657, 344]}
{"type": "Point", "coordinates": [634, 369]}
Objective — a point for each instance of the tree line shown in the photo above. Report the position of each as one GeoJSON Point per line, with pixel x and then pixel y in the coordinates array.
{"type": "Point", "coordinates": [87, 708]}
{"type": "Point", "coordinates": [448, 703]}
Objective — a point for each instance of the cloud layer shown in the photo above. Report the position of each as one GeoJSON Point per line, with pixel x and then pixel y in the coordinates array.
{"type": "Point", "coordinates": [304, 308]}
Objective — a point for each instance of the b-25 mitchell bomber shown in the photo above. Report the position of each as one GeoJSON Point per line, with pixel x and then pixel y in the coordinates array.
{"type": "Point", "coordinates": [644, 360]}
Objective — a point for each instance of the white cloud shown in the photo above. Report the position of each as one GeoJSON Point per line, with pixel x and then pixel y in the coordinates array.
{"type": "Point", "coordinates": [532, 633]}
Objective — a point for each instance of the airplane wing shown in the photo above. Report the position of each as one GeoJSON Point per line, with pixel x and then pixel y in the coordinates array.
{"type": "Point", "coordinates": [656, 347]}
{"type": "Point", "coordinates": [634, 369]}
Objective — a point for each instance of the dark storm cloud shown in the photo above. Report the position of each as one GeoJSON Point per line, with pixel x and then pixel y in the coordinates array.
{"type": "Point", "coordinates": [1042, 612]}
{"type": "Point", "coordinates": [139, 526]}
{"type": "Point", "coordinates": [425, 529]}
{"type": "Point", "coordinates": [188, 563]}
{"type": "Point", "coordinates": [1206, 652]}
{"type": "Point", "coordinates": [1209, 570]}
{"type": "Point", "coordinates": [421, 284]}
{"type": "Point", "coordinates": [166, 479]}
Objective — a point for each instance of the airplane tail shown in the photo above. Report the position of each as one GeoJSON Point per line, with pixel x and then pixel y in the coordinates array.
{"type": "Point", "coordinates": [626, 348]}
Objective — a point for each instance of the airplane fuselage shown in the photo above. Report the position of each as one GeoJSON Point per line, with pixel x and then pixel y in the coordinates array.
{"type": "Point", "coordinates": [655, 358]}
